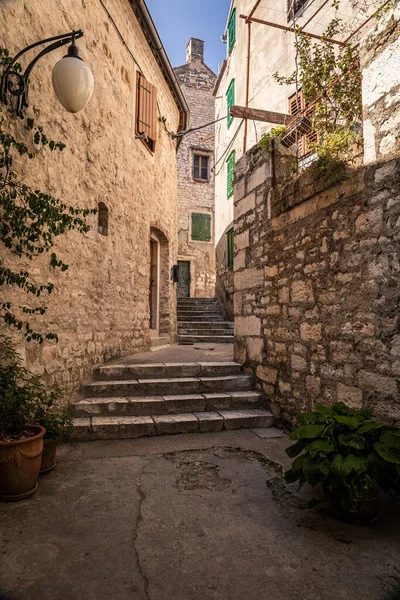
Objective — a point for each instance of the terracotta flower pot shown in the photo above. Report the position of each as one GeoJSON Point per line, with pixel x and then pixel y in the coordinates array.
{"type": "Point", "coordinates": [20, 462]}
{"type": "Point", "coordinates": [49, 455]}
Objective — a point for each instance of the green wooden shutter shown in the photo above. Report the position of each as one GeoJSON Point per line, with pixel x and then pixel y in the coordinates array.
{"type": "Point", "coordinates": [230, 173]}
{"type": "Point", "coordinates": [232, 31]}
{"type": "Point", "coordinates": [201, 227]}
{"type": "Point", "coordinates": [230, 100]}
{"type": "Point", "coordinates": [229, 241]}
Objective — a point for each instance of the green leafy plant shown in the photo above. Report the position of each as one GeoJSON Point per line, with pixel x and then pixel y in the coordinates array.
{"type": "Point", "coordinates": [330, 79]}
{"type": "Point", "coordinates": [275, 133]}
{"type": "Point", "coordinates": [30, 219]}
{"type": "Point", "coordinates": [56, 421]}
{"type": "Point", "coordinates": [346, 452]}
{"type": "Point", "coordinates": [22, 394]}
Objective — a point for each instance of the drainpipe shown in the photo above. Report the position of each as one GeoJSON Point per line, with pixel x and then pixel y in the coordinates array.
{"type": "Point", "coordinates": [247, 83]}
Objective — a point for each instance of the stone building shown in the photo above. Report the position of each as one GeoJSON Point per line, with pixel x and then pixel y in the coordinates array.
{"type": "Point", "coordinates": [270, 50]}
{"type": "Point", "coordinates": [317, 264]}
{"type": "Point", "coordinates": [196, 219]}
{"type": "Point", "coordinates": [118, 292]}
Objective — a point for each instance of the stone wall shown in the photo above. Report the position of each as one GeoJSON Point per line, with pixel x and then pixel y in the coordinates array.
{"type": "Point", "coordinates": [197, 82]}
{"type": "Point", "coordinates": [100, 306]}
{"type": "Point", "coordinates": [224, 288]}
{"type": "Point", "coordinates": [381, 89]}
{"type": "Point", "coordinates": [317, 288]}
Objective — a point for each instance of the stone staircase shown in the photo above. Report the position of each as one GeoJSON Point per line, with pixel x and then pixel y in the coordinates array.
{"type": "Point", "coordinates": [202, 320]}
{"type": "Point", "coordinates": [135, 400]}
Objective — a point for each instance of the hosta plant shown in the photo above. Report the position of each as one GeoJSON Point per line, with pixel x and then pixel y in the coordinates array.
{"type": "Point", "coordinates": [346, 452]}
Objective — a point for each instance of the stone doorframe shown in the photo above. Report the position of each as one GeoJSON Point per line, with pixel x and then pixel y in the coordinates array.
{"type": "Point", "coordinates": [163, 281]}
{"type": "Point", "coordinates": [192, 261]}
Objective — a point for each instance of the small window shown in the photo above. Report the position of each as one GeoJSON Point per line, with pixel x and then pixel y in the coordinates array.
{"type": "Point", "coordinates": [102, 224]}
{"type": "Point", "coordinates": [230, 173]}
{"type": "Point", "coordinates": [230, 101]}
{"type": "Point", "coordinates": [232, 31]}
{"type": "Point", "coordinates": [201, 227]}
{"type": "Point", "coordinates": [298, 5]}
{"type": "Point", "coordinates": [146, 112]}
{"type": "Point", "coordinates": [229, 242]}
{"type": "Point", "coordinates": [201, 167]}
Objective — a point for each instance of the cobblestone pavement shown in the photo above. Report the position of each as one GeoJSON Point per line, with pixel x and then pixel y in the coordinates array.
{"type": "Point", "coordinates": [190, 517]}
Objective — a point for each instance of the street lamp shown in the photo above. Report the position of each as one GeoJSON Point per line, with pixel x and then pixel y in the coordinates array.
{"type": "Point", "coordinates": [72, 78]}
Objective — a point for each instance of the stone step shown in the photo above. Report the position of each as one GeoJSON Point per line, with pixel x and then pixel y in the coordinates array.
{"type": "Point", "coordinates": [162, 405]}
{"type": "Point", "coordinates": [124, 372]}
{"type": "Point", "coordinates": [201, 318]}
{"type": "Point", "coordinates": [206, 339]}
{"type": "Point", "coordinates": [198, 309]}
{"type": "Point", "coordinates": [198, 300]}
{"type": "Point", "coordinates": [205, 325]}
{"type": "Point", "coordinates": [199, 305]}
{"type": "Point", "coordinates": [199, 331]}
{"type": "Point", "coordinates": [168, 386]}
{"type": "Point", "coordinates": [104, 428]}
{"type": "Point", "coordinates": [158, 343]}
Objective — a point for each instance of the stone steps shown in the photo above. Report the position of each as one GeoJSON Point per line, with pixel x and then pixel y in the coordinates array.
{"type": "Point", "coordinates": [202, 321]}
{"type": "Point", "coordinates": [165, 370]}
{"type": "Point", "coordinates": [128, 400]}
{"type": "Point", "coordinates": [162, 405]}
{"type": "Point", "coordinates": [169, 386]}
{"type": "Point", "coordinates": [124, 427]}
{"type": "Point", "coordinates": [205, 339]}
{"type": "Point", "coordinates": [205, 325]}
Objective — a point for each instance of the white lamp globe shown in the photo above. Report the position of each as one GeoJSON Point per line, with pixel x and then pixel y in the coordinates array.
{"type": "Point", "coordinates": [73, 81]}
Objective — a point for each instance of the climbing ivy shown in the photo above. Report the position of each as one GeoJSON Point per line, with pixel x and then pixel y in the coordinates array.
{"type": "Point", "coordinates": [30, 220]}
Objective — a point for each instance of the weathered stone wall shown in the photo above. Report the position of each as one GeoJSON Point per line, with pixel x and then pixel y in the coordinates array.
{"type": "Point", "coordinates": [100, 306]}
{"type": "Point", "coordinates": [381, 89]}
{"type": "Point", "coordinates": [224, 288]}
{"type": "Point", "coordinates": [197, 82]}
{"type": "Point", "coordinates": [317, 288]}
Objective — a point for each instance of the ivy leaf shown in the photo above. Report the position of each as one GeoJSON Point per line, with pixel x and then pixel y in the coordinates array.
{"type": "Point", "coordinates": [391, 439]}
{"type": "Point", "coordinates": [292, 476]}
{"type": "Point", "coordinates": [299, 462]}
{"type": "Point", "coordinates": [367, 427]}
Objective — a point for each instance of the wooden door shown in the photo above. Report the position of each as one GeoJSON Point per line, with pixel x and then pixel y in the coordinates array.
{"type": "Point", "coordinates": [183, 279]}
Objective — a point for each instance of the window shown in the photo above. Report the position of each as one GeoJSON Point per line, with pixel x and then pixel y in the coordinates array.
{"type": "Point", "coordinates": [232, 31]}
{"type": "Point", "coordinates": [201, 167]}
{"type": "Point", "coordinates": [102, 219]}
{"type": "Point", "coordinates": [297, 106]}
{"type": "Point", "coordinates": [230, 173]}
{"type": "Point", "coordinates": [229, 242]}
{"type": "Point", "coordinates": [230, 100]}
{"type": "Point", "coordinates": [296, 6]}
{"type": "Point", "coordinates": [201, 227]}
{"type": "Point", "coordinates": [146, 112]}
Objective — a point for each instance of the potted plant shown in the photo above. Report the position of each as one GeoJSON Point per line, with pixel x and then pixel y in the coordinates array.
{"type": "Point", "coordinates": [21, 442]}
{"type": "Point", "coordinates": [350, 455]}
{"type": "Point", "coordinates": [58, 425]}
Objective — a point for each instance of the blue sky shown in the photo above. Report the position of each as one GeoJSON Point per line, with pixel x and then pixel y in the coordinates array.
{"type": "Point", "coordinates": [179, 20]}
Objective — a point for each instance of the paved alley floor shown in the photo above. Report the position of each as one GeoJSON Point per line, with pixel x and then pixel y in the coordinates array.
{"type": "Point", "coordinates": [189, 517]}
{"type": "Point", "coordinates": [180, 354]}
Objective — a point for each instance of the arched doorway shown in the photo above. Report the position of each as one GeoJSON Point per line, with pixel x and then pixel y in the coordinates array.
{"type": "Point", "coordinates": [159, 293]}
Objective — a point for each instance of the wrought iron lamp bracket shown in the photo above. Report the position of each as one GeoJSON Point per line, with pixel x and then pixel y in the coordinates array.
{"type": "Point", "coordinates": [14, 84]}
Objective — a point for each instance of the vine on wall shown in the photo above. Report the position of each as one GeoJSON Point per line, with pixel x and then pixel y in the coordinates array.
{"type": "Point", "coordinates": [30, 220]}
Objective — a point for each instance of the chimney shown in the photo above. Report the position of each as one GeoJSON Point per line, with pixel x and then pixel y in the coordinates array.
{"type": "Point", "coordinates": [195, 50]}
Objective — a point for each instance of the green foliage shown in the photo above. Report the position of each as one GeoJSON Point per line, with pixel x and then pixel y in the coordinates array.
{"type": "Point", "coordinates": [330, 79]}
{"type": "Point", "coordinates": [23, 398]}
{"type": "Point", "coordinates": [344, 451]}
{"type": "Point", "coordinates": [30, 219]}
{"type": "Point", "coordinates": [276, 132]}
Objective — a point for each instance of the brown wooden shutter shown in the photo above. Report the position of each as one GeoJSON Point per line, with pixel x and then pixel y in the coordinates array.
{"type": "Point", "coordinates": [146, 110]}
{"type": "Point", "coordinates": [296, 106]}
